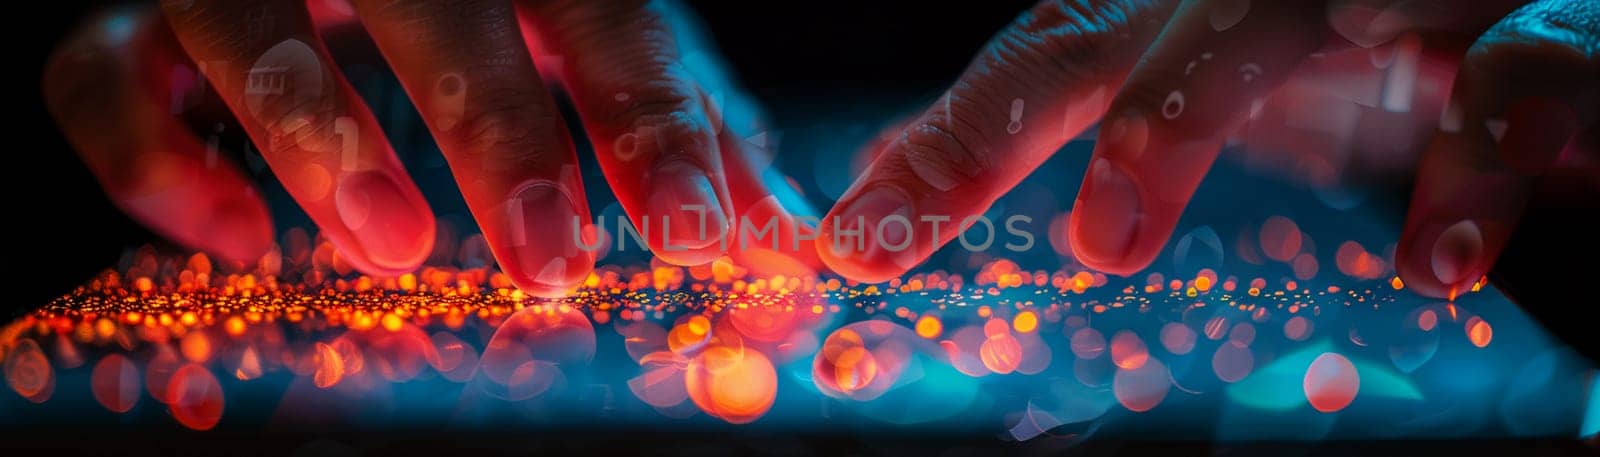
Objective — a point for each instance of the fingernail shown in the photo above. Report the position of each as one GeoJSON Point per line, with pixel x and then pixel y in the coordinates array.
{"type": "Point", "coordinates": [1109, 212]}
{"type": "Point", "coordinates": [393, 231]}
{"type": "Point", "coordinates": [897, 244]}
{"type": "Point", "coordinates": [1456, 252]}
{"type": "Point", "coordinates": [543, 231]}
{"type": "Point", "coordinates": [681, 194]}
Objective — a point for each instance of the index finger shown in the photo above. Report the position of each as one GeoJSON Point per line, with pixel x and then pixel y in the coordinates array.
{"type": "Point", "coordinates": [1166, 126]}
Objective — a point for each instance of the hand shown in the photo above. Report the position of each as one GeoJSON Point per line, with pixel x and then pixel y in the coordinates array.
{"type": "Point", "coordinates": [1174, 81]}
{"type": "Point", "coordinates": [668, 132]}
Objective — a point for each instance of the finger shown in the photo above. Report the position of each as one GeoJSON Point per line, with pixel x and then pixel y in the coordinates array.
{"type": "Point", "coordinates": [319, 138]}
{"type": "Point", "coordinates": [1352, 116]}
{"type": "Point", "coordinates": [768, 237]}
{"type": "Point", "coordinates": [1524, 90]}
{"type": "Point", "coordinates": [1166, 126]}
{"type": "Point", "coordinates": [647, 118]}
{"type": "Point", "coordinates": [466, 68]}
{"type": "Point", "coordinates": [1037, 84]}
{"type": "Point", "coordinates": [1369, 23]}
{"type": "Point", "coordinates": [769, 234]}
{"type": "Point", "coordinates": [106, 86]}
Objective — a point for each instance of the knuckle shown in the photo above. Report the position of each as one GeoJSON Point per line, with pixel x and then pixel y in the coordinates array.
{"type": "Point", "coordinates": [508, 128]}
{"type": "Point", "coordinates": [650, 100]}
{"type": "Point", "coordinates": [945, 152]}
{"type": "Point", "coordinates": [1076, 39]}
{"type": "Point", "coordinates": [1574, 26]}
{"type": "Point", "coordinates": [1544, 49]}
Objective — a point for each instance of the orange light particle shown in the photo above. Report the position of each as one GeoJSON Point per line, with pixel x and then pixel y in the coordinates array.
{"type": "Point", "coordinates": [929, 327]}
{"type": "Point", "coordinates": [1479, 332]}
{"type": "Point", "coordinates": [699, 325]}
{"type": "Point", "coordinates": [737, 386]}
{"type": "Point", "coordinates": [234, 326]}
{"type": "Point", "coordinates": [1025, 322]}
{"type": "Point", "coordinates": [392, 322]}
{"type": "Point", "coordinates": [195, 347]}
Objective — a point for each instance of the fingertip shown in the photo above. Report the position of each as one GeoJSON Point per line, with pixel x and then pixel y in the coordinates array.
{"type": "Point", "coordinates": [240, 229]}
{"type": "Point", "coordinates": [541, 237]}
{"type": "Point", "coordinates": [1442, 259]}
{"type": "Point", "coordinates": [390, 227]}
{"type": "Point", "coordinates": [1106, 218]}
{"type": "Point", "coordinates": [854, 268]}
{"type": "Point", "coordinates": [873, 235]}
{"type": "Point", "coordinates": [556, 277]}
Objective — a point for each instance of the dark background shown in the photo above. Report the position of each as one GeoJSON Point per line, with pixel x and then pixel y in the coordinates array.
{"type": "Point", "coordinates": [63, 230]}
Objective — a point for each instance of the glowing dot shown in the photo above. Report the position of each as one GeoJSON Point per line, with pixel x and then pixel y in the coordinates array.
{"type": "Point", "coordinates": [195, 347]}
{"type": "Point", "coordinates": [234, 326]}
{"type": "Point", "coordinates": [1396, 283]}
{"type": "Point", "coordinates": [1128, 352]}
{"type": "Point", "coordinates": [929, 327]}
{"type": "Point", "coordinates": [1025, 322]}
{"type": "Point", "coordinates": [1203, 283]}
{"type": "Point", "coordinates": [1479, 332]}
{"type": "Point", "coordinates": [699, 325]}
{"type": "Point", "coordinates": [1331, 382]}
{"type": "Point", "coordinates": [392, 322]}
{"type": "Point", "coordinates": [737, 386]}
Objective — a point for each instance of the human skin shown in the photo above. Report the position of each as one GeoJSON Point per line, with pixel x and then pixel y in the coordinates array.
{"type": "Point", "coordinates": [1512, 108]}
{"type": "Point", "coordinates": [1169, 83]}
{"type": "Point", "coordinates": [669, 134]}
